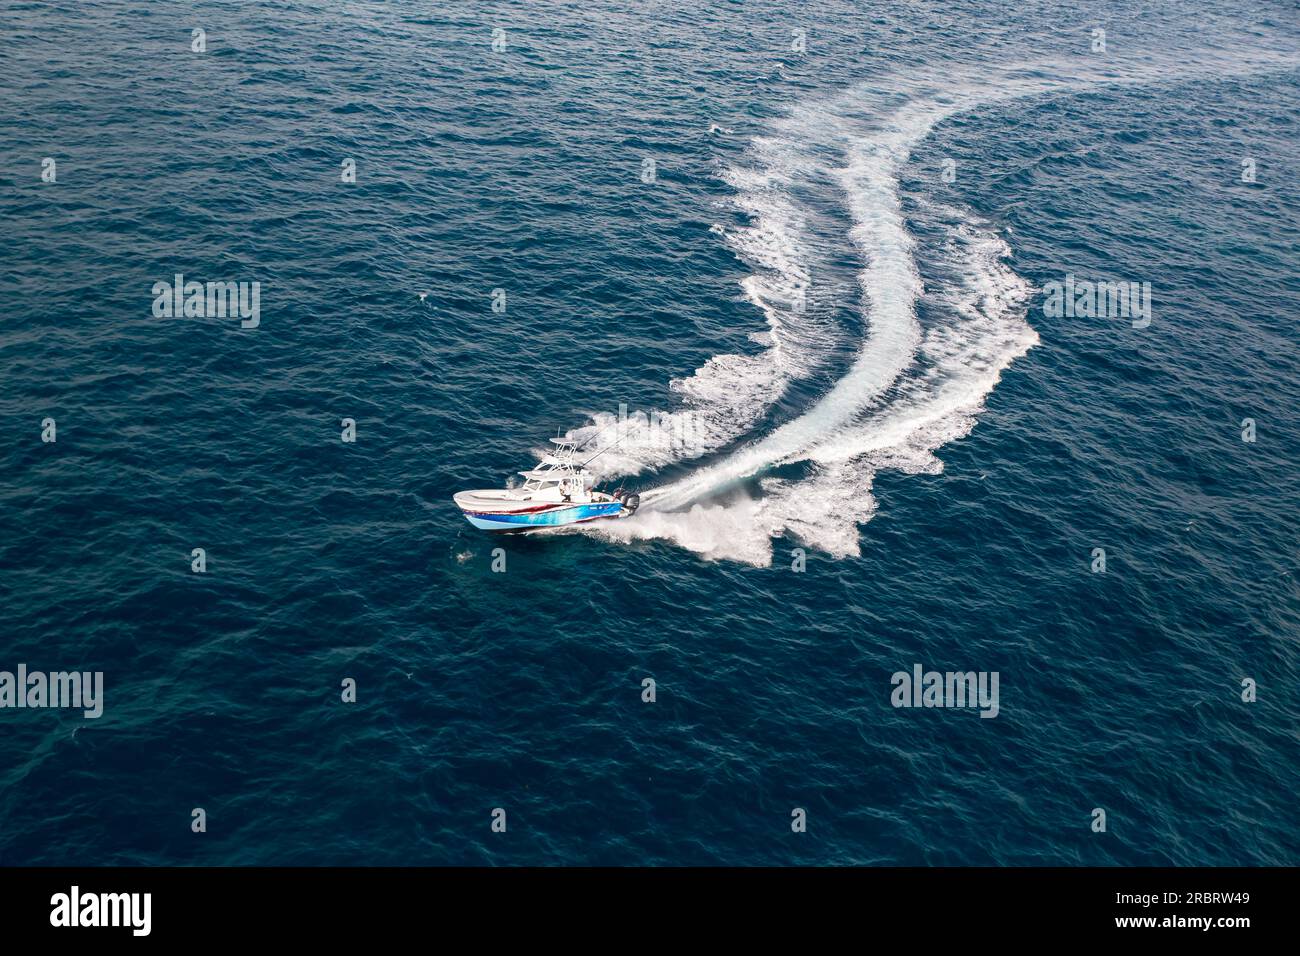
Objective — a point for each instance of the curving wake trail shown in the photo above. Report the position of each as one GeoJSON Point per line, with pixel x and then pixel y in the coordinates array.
{"type": "Point", "coordinates": [909, 390]}
{"type": "Point", "coordinates": [890, 287]}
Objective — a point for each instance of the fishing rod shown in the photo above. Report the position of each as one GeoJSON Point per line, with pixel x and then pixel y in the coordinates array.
{"type": "Point", "coordinates": [587, 441]}
{"type": "Point", "coordinates": [605, 449]}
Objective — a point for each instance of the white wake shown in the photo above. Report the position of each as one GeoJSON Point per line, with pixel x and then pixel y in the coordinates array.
{"type": "Point", "coordinates": [909, 390]}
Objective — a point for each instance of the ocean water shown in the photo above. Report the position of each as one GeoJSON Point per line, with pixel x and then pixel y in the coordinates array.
{"type": "Point", "coordinates": [815, 239]}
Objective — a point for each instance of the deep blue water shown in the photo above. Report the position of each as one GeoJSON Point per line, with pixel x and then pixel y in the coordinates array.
{"type": "Point", "coordinates": [859, 345]}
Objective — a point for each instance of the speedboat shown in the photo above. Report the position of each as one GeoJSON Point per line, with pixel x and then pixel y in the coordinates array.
{"type": "Point", "coordinates": [558, 491]}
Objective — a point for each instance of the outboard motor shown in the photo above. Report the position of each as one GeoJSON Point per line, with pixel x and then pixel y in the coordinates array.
{"type": "Point", "coordinates": [631, 501]}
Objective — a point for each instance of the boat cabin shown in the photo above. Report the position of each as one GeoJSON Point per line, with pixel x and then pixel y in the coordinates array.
{"type": "Point", "coordinates": [557, 476]}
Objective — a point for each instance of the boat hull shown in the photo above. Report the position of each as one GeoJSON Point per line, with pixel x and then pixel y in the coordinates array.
{"type": "Point", "coordinates": [551, 516]}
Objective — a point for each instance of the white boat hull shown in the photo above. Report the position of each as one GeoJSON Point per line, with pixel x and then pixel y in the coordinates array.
{"type": "Point", "coordinates": [493, 511]}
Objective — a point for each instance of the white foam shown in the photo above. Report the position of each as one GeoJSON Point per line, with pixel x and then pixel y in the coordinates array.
{"type": "Point", "coordinates": [961, 360]}
{"type": "Point", "coordinates": [726, 396]}
{"type": "Point", "coordinates": [732, 532]}
{"type": "Point", "coordinates": [908, 392]}
{"type": "Point", "coordinates": [821, 511]}
{"type": "Point", "coordinates": [890, 286]}
{"type": "Point", "coordinates": [958, 363]}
